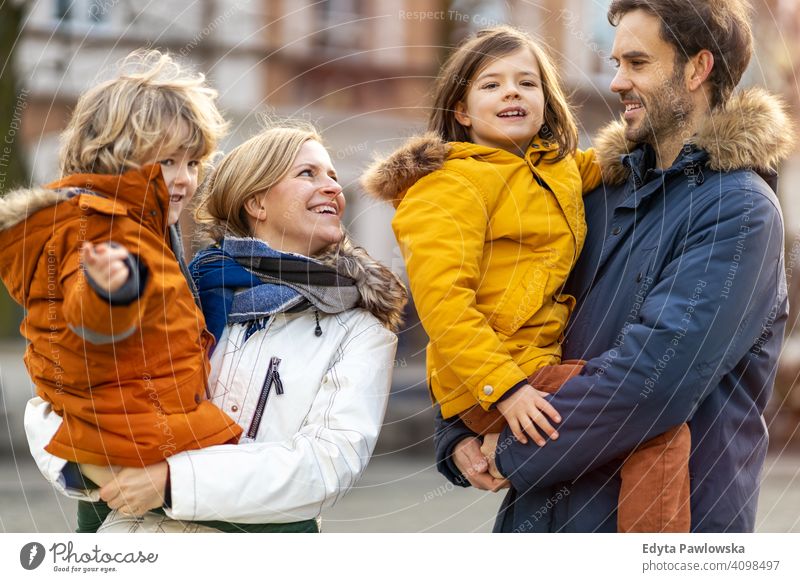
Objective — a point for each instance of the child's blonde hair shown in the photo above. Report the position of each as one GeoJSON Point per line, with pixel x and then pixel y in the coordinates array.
{"type": "Point", "coordinates": [469, 59]}
{"type": "Point", "coordinates": [254, 166]}
{"type": "Point", "coordinates": [130, 120]}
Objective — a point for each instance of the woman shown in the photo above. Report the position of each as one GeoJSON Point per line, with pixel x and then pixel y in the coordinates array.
{"type": "Point", "coordinates": [304, 350]}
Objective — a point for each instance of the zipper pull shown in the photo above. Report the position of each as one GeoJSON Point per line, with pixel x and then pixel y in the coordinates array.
{"type": "Point", "coordinates": [276, 377]}
{"type": "Point", "coordinates": [318, 329]}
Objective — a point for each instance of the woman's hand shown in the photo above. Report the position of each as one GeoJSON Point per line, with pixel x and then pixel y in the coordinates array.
{"type": "Point", "coordinates": [105, 265]}
{"type": "Point", "coordinates": [134, 491]}
{"type": "Point", "coordinates": [524, 409]}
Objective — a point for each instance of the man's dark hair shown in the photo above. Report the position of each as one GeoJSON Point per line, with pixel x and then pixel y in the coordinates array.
{"type": "Point", "coordinates": [720, 26]}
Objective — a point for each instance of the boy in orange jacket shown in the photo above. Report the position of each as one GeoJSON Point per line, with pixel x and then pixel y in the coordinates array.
{"type": "Point", "coordinates": [116, 343]}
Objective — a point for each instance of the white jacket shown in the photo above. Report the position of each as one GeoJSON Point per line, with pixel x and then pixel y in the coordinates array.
{"type": "Point", "coordinates": [314, 439]}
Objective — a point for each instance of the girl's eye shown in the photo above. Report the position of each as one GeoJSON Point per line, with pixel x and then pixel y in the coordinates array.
{"type": "Point", "coordinates": [194, 163]}
{"type": "Point", "coordinates": [529, 83]}
{"type": "Point", "coordinates": [489, 86]}
{"type": "Point", "coordinates": [168, 162]}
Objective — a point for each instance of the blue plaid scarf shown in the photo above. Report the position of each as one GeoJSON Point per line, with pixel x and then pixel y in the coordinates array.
{"type": "Point", "coordinates": [244, 280]}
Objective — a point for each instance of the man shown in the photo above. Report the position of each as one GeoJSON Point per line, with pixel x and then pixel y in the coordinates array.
{"type": "Point", "coordinates": [681, 288]}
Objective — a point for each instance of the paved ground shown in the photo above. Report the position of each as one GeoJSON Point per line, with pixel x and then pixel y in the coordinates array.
{"type": "Point", "coordinates": [399, 493]}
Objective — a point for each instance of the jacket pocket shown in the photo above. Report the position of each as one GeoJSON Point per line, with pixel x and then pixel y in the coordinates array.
{"type": "Point", "coordinates": [522, 299]}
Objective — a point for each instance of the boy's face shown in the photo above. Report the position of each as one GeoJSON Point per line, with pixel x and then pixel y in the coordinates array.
{"type": "Point", "coordinates": [181, 169]}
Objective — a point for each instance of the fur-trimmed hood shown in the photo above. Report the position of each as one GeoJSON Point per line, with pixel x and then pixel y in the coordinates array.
{"type": "Point", "coordinates": [752, 130]}
{"type": "Point", "coordinates": [388, 179]}
{"type": "Point", "coordinates": [382, 292]}
{"type": "Point", "coordinates": [18, 205]}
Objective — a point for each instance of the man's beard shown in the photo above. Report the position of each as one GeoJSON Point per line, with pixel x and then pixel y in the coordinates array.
{"type": "Point", "coordinates": [667, 111]}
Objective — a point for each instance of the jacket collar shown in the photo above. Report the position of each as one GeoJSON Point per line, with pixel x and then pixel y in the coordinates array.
{"type": "Point", "coordinates": [141, 191]}
{"type": "Point", "coordinates": [388, 179]}
{"type": "Point", "coordinates": [751, 131]}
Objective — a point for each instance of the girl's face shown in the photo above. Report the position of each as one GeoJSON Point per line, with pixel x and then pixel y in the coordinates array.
{"type": "Point", "coordinates": [302, 213]}
{"type": "Point", "coordinates": [504, 105]}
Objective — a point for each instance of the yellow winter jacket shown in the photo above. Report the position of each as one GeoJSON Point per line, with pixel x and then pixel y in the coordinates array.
{"type": "Point", "coordinates": [488, 239]}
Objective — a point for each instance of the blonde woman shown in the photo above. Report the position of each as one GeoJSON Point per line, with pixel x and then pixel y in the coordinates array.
{"type": "Point", "coordinates": [305, 348]}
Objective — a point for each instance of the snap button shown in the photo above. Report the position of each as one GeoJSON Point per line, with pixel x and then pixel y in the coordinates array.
{"type": "Point", "coordinates": [616, 230]}
{"type": "Point", "coordinates": [488, 390]}
{"type": "Point", "coordinates": [197, 399]}
{"type": "Point", "coordinates": [234, 408]}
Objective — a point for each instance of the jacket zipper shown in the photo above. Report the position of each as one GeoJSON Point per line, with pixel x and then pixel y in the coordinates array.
{"type": "Point", "coordinates": [273, 377]}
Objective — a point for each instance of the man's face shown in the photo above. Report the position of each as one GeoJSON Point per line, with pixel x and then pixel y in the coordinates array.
{"type": "Point", "coordinates": [657, 102]}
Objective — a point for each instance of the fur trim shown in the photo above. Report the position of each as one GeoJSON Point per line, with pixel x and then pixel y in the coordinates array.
{"type": "Point", "coordinates": [752, 130]}
{"type": "Point", "coordinates": [18, 205]}
{"type": "Point", "coordinates": [382, 292]}
{"type": "Point", "coordinates": [388, 179]}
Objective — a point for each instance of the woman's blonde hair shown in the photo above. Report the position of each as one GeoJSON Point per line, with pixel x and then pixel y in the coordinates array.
{"type": "Point", "coordinates": [469, 59]}
{"type": "Point", "coordinates": [134, 118]}
{"type": "Point", "coordinates": [254, 166]}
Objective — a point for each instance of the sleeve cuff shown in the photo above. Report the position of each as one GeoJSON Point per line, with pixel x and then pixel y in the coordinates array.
{"type": "Point", "coordinates": [510, 391]}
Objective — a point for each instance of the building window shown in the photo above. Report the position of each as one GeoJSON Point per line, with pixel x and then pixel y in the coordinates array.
{"type": "Point", "coordinates": [337, 26]}
{"type": "Point", "coordinates": [86, 12]}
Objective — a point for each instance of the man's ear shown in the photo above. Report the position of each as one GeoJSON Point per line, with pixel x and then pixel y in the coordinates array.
{"type": "Point", "coordinates": [255, 207]}
{"type": "Point", "coordinates": [699, 68]}
{"type": "Point", "coordinates": [461, 114]}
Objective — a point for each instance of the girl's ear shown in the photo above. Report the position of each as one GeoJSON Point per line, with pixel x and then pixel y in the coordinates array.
{"type": "Point", "coordinates": [461, 114]}
{"type": "Point", "coordinates": [255, 207]}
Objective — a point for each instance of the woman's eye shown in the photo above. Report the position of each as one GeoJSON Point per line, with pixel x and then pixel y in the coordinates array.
{"type": "Point", "coordinates": [306, 172]}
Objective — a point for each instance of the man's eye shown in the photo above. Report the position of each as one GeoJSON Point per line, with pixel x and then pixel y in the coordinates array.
{"type": "Point", "coordinates": [637, 63]}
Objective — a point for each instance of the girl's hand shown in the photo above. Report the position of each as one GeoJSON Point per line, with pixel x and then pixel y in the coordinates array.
{"type": "Point", "coordinates": [524, 409]}
{"type": "Point", "coordinates": [105, 264]}
{"type": "Point", "coordinates": [134, 491]}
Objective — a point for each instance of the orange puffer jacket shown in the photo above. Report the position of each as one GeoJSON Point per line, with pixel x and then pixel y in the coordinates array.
{"type": "Point", "coordinates": [129, 381]}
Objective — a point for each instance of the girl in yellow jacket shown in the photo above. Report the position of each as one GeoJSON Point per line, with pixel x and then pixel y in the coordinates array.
{"type": "Point", "coordinates": [490, 222]}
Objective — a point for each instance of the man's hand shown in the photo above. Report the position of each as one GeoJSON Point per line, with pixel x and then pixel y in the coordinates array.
{"type": "Point", "coordinates": [489, 451]}
{"type": "Point", "coordinates": [134, 491]}
{"type": "Point", "coordinates": [523, 409]}
{"type": "Point", "coordinates": [105, 265]}
{"type": "Point", "coordinates": [474, 466]}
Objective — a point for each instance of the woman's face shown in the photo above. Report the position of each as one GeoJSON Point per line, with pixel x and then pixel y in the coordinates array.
{"type": "Point", "coordinates": [302, 213]}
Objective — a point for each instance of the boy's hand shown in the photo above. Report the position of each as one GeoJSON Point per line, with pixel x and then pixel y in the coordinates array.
{"type": "Point", "coordinates": [105, 264]}
{"type": "Point", "coordinates": [523, 409]}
